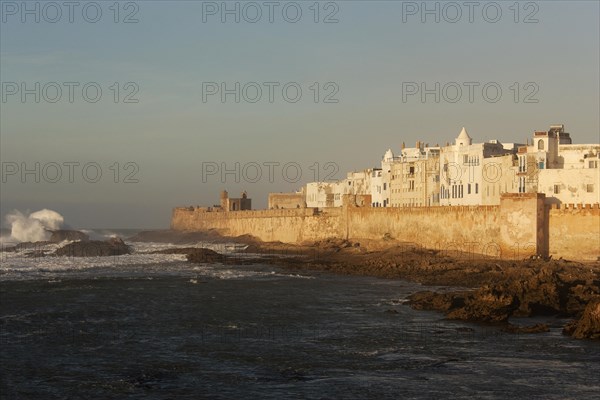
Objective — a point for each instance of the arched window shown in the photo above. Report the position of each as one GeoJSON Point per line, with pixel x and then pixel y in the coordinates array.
{"type": "Point", "coordinates": [540, 145]}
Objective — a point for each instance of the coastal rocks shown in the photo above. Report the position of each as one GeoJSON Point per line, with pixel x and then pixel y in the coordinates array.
{"type": "Point", "coordinates": [335, 244]}
{"type": "Point", "coordinates": [428, 300]}
{"type": "Point", "coordinates": [94, 248]}
{"type": "Point", "coordinates": [56, 237]}
{"type": "Point", "coordinates": [175, 250]}
{"type": "Point", "coordinates": [588, 326]}
{"type": "Point", "coordinates": [483, 305]}
{"type": "Point", "coordinates": [541, 290]}
{"type": "Point", "coordinates": [537, 328]}
{"type": "Point", "coordinates": [24, 246]}
{"type": "Point", "coordinates": [197, 255]}
{"type": "Point", "coordinates": [479, 305]}
{"type": "Point", "coordinates": [63, 234]}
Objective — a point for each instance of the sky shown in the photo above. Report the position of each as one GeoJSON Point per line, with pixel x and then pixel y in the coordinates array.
{"type": "Point", "coordinates": [114, 113]}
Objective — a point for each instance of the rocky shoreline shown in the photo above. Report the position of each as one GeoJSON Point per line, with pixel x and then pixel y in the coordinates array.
{"type": "Point", "coordinates": [478, 289]}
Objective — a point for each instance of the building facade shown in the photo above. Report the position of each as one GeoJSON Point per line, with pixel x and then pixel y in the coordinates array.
{"type": "Point", "coordinates": [566, 173]}
{"type": "Point", "coordinates": [469, 174]}
{"type": "Point", "coordinates": [415, 179]}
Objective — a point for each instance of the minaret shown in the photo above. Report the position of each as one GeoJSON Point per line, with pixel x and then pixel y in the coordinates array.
{"type": "Point", "coordinates": [463, 138]}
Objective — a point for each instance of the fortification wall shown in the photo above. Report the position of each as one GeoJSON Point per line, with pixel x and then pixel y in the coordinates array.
{"type": "Point", "coordinates": [512, 230]}
{"type": "Point", "coordinates": [285, 225]}
{"type": "Point", "coordinates": [574, 232]}
{"type": "Point", "coordinates": [486, 230]}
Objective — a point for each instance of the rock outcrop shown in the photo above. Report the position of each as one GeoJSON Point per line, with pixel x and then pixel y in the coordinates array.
{"type": "Point", "coordinates": [95, 248]}
{"type": "Point", "coordinates": [543, 289]}
{"type": "Point", "coordinates": [200, 255]}
{"type": "Point", "coordinates": [63, 234]}
{"type": "Point", "coordinates": [588, 326]}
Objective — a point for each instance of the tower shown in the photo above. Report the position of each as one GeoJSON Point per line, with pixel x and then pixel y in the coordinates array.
{"type": "Point", "coordinates": [225, 200]}
{"type": "Point", "coordinates": [463, 139]}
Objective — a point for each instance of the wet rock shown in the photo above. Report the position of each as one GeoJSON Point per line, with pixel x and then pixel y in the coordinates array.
{"type": "Point", "coordinates": [95, 248]}
{"type": "Point", "coordinates": [175, 250]}
{"type": "Point", "coordinates": [428, 300]}
{"type": "Point", "coordinates": [537, 328]}
{"type": "Point", "coordinates": [63, 234]}
{"type": "Point", "coordinates": [35, 246]}
{"type": "Point", "coordinates": [201, 255]}
{"type": "Point", "coordinates": [482, 305]}
{"type": "Point", "coordinates": [35, 254]}
{"type": "Point", "coordinates": [588, 326]}
{"type": "Point", "coordinates": [534, 289]}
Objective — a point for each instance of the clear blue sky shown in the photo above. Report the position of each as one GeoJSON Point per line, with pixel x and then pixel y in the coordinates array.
{"type": "Point", "coordinates": [367, 55]}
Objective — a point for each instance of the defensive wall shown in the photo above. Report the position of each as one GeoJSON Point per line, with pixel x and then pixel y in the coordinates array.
{"type": "Point", "coordinates": [574, 231]}
{"type": "Point", "coordinates": [519, 227]}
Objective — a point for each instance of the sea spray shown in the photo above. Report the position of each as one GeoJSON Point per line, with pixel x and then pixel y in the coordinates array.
{"type": "Point", "coordinates": [34, 227]}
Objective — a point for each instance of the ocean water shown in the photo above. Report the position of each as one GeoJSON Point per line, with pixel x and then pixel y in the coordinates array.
{"type": "Point", "coordinates": [155, 327]}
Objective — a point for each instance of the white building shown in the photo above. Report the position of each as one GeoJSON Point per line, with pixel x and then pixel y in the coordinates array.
{"type": "Point", "coordinates": [462, 170]}
{"type": "Point", "coordinates": [473, 174]}
{"type": "Point", "coordinates": [563, 171]}
{"type": "Point", "coordinates": [376, 187]}
{"type": "Point", "coordinates": [330, 194]}
{"type": "Point", "coordinates": [415, 177]}
{"type": "Point", "coordinates": [386, 176]}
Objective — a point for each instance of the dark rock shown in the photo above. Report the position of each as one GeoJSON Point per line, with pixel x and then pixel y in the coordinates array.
{"type": "Point", "coordinates": [482, 305]}
{"type": "Point", "coordinates": [201, 255]}
{"type": "Point", "coordinates": [176, 250]}
{"type": "Point", "coordinates": [63, 234]}
{"type": "Point", "coordinates": [31, 245]}
{"type": "Point", "coordinates": [35, 254]}
{"type": "Point", "coordinates": [588, 326]}
{"type": "Point", "coordinates": [537, 328]}
{"type": "Point", "coordinates": [536, 288]}
{"type": "Point", "coordinates": [95, 248]}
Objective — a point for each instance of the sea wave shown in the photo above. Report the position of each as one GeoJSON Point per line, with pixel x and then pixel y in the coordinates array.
{"type": "Point", "coordinates": [39, 263]}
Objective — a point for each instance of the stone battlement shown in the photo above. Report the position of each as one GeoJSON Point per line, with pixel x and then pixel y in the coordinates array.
{"type": "Point", "coordinates": [522, 225]}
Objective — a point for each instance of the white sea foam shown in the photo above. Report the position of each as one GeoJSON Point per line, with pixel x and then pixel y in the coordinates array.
{"type": "Point", "coordinates": [38, 263]}
{"type": "Point", "coordinates": [33, 227]}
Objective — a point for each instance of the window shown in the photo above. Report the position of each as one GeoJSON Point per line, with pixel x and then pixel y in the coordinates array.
{"type": "Point", "coordinates": [477, 188]}
{"type": "Point", "coordinates": [540, 145]}
{"type": "Point", "coordinates": [522, 164]}
{"type": "Point", "coordinates": [468, 188]}
{"type": "Point", "coordinates": [521, 184]}
{"type": "Point", "coordinates": [556, 189]}
{"type": "Point", "coordinates": [593, 164]}
{"type": "Point", "coordinates": [541, 165]}
{"type": "Point", "coordinates": [465, 159]}
{"type": "Point", "coordinates": [385, 186]}
{"type": "Point", "coordinates": [590, 187]}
